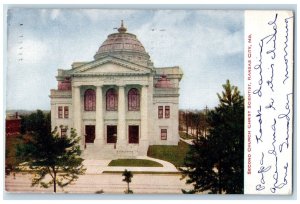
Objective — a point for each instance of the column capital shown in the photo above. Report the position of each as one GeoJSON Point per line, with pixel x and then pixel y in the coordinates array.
{"type": "Point", "coordinates": [121, 85]}
{"type": "Point", "coordinates": [76, 86]}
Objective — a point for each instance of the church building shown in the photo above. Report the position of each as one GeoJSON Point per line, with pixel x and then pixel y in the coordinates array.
{"type": "Point", "coordinates": [119, 103]}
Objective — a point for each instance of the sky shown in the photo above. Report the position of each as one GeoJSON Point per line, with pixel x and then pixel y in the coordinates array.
{"type": "Point", "coordinates": [207, 45]}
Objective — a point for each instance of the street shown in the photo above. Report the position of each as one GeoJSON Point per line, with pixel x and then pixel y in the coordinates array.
{"type": "Point", "coordinates": [109, 183]}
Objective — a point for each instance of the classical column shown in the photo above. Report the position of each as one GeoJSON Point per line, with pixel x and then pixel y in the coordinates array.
{"type": "Point", "coordinates": [121, 135]}
{"type": "Point", "coordinates": [99, 117]}
{"type": "Point", "coordinates": [77, 113]}
{"type": "Point", "coordinates": [144, 113]}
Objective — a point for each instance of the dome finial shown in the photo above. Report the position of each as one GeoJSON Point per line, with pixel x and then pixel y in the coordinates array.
{"type": "Point", "coordinates": [122, 29]}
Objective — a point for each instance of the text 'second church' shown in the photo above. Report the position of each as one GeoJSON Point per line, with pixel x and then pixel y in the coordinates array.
{"type": "Point", "coordinates": [119, 103]}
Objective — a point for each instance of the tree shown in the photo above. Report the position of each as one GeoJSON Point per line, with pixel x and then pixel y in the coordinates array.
{"type": "Point", "coordinates": [127, 178]}
{"type": "Point", "coordinates": [215, 163]}
{"type": "Point", "coordinates": [49, 154]}
{"type": "Point", "coordinates": [36, 122]}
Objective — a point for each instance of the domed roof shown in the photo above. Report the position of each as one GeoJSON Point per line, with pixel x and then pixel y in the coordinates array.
{"type": "Point", "coordinates": [123, 45]}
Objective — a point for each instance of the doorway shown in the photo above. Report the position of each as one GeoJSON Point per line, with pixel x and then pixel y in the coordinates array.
{"type": "Point", "coordinates": [133, 134]}
{"type": "Point", "coordinates": [111, 134]}
{"type": "Point", "coordinates": [89, 133]}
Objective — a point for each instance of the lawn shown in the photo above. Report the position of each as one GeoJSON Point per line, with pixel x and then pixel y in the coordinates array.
{"type": "Point", "coordinates": [134, 163]}
{"type": "Point", "coordinates": [173, 154]}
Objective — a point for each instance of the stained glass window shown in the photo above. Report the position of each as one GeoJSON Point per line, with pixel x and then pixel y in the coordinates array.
{"type": "Point", "coordinates": [133, 100]}
{"type": "Point", "coordinates": [111, 100]}
{"type": "Point", "coordinates": [90, 100]}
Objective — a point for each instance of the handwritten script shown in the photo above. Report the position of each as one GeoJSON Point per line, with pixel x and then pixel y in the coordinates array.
{"type": "Point", "coordinates": [269, 102]}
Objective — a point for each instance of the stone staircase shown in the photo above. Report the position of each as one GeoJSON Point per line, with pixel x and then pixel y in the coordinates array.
{"type": "Point", "coordinates": [99, 152]}
{"type": "Point", "coordinates": [110, 152]}
{"type": "Point", "coordinates": [130, 151]}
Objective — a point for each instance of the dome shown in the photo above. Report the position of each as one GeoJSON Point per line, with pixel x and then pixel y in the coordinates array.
{"type": "Point", "coordinates": [123, 45]}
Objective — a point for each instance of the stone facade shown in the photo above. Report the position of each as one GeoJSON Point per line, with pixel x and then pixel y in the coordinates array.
{"type": "Point", "coordinates": [119, 103]}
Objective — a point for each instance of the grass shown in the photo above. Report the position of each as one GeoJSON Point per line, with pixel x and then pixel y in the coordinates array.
{"type": "Point", "coordinates": [173, 154]}
{"type": "Point", "coordinates": [134, 163]}
{"type": "Point", "coordinates": [185, 136]}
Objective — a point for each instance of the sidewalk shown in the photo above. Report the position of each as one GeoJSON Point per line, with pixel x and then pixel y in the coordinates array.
{"type": "Point", "coordinates": [99, 166]}
{"type": "Point", "coordinates": [167, 180]}
{"type": "Point", "coordinates": [189, 141]}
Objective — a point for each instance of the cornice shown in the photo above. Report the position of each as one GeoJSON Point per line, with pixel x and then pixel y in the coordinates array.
{"type": "Point", "coordinates": [113, 60]}
{"type": "Point", "coordinates": [109, 74]}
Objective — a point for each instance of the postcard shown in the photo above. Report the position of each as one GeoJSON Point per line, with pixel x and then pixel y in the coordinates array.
{"type": "Point", "coordinates": [124, 101]}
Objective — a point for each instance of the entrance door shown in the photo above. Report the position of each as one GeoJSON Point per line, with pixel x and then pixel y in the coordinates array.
{"type": "Point", "coordinates": [133, 134]}
{"type": "Point", "coordinates": [111, 134]}
{"type": "Point", "coordinates": [89, 133]}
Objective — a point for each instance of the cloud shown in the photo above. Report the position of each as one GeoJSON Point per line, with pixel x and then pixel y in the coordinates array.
{"type": "Point", "coordinates": [96, 15]}
{"type": "Point", "coordinates": [208, 54]}
{"type": "Point", "coordinates": [197, 41]}
{"type": "Point", "coordinates": [55, 13]}
{"type": "Point", "coordinates": [207, 45]}
{"type": "Point", "coordinates": [34, 51]}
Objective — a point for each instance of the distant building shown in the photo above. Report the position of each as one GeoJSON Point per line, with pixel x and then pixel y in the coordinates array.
{"type": "Point", "coordinates": [12, 124]}
{"type": "Point", "coordinates": [119, 103]}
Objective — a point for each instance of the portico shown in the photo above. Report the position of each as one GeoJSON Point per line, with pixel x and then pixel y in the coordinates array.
{"type": "Point", "coordinates": [102, 116]}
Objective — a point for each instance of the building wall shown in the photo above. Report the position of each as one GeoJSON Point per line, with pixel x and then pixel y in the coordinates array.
{"type": "Point", "coordinates": [171, 123]}
{"type": "Point", "coordinates": [13, 126]}
{"type": "Point", "coordinates": [58, 122]}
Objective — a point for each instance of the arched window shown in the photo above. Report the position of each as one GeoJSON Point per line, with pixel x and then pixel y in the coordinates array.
{"type": "Point", "coordinates": [90, 100]}
{"type": "Point", "coordinates": [133, 100]}
{"type": "Point", "coordinates": [111, 100]}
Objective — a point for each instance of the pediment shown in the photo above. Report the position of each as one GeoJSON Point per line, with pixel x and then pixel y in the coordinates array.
{"type": "Point", "coordinates": [111, 66]}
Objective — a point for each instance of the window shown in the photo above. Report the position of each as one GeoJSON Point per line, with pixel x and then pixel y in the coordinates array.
{"type": "Point", "coordinates": [133, 100]}
{"type": "Point", "coordinates": [60, 112]}
{"type": "Point", "coordinates": [163, 134]}
{"type": "Point", "coordinates": [63, 132]}
{"type": "Point", "coordinates": [160, 111]}
{"type": "Point", "coordinates": [167, 111]}
{"type": "Point", "coordinates": [90, 100]}
{"type": "Point", "coordinates": [111, 100]}
{"type": "Point", "coordinates": [66, 112]}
